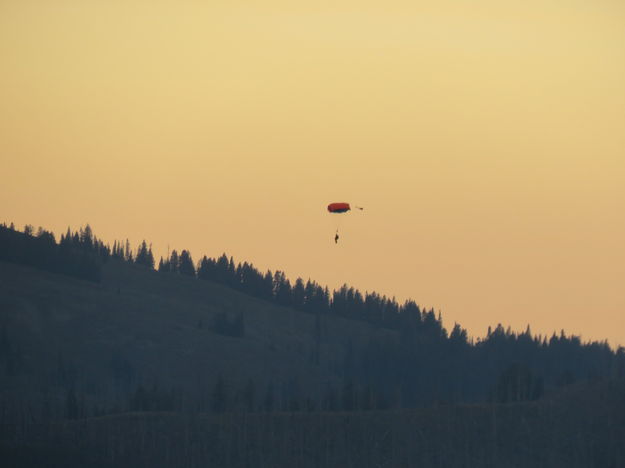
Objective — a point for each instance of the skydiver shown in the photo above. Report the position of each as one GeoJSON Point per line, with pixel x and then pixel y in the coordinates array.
{"type": "Point", "coordinates": [336, 238]}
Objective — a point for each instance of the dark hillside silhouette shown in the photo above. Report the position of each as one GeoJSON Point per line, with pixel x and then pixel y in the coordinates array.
{"type": "Point", "coordinates": [78, 254]}
{"type": "Point", "coordinates": [89, 332]}
{"type": "Point", "coordinates": [425, 363]}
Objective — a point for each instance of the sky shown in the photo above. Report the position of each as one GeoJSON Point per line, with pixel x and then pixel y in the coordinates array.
{"type": "Point", "coordinates": [485, 140]}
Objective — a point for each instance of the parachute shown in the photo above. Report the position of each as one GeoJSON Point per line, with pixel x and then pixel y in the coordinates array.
{"type": "Point", "coordinates": [339, 208]}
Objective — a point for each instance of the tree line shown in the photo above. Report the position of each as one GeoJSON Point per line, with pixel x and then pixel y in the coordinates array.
{"type": "Point", "coordinates": [425, 363]}
{"type": "Point", "coordinates": [79, 254]}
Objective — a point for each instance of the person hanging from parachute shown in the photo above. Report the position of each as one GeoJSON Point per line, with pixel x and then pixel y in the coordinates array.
{"type": "Point", "coordinates": [340, 208]}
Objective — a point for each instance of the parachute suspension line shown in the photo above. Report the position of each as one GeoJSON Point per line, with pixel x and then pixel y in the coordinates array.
{"type": "Point", "coordinates": [339, 222]}
{"type": "Point", "coordinates": [339, 208]}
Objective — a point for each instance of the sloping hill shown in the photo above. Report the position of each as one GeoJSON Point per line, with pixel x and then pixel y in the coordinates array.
{"type": "Point", "coordinates": [138, 327]}
{"type": "Point", "coordinates": [159, 369]}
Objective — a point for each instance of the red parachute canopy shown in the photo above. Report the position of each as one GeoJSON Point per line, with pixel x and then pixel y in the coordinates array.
{"type": "Point", "coordinates": [338, 207]}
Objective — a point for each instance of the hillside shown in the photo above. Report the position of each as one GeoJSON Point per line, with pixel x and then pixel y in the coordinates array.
{"type": "Point", "coordinates": [107, 362]}
{"type": "Point", "coordinates": [140, 327]}
{"type": "Point", "coordinates": [137, 339]}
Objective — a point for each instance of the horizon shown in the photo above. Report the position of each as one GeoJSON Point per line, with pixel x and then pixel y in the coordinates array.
{"type": "Point", "coordinates": [472, 339]}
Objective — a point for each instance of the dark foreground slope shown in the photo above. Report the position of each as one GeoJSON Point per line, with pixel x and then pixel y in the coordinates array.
{"type": "Point", "coordinates": [583, 428]}
{"type": "Point", "coordinates": [140, 330]}
{"type": "Point", "coordinates": [147, 369]}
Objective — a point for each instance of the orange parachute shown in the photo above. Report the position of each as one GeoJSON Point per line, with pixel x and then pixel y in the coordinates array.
{"type": "Point", "coordinates": [338, 207]}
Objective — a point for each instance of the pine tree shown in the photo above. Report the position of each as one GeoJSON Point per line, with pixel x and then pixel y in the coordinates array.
{"type": "Point", "coordinates": [128, 252]}
{"type": "Point", "coordinates": [282, 288]}
{"type": "Point", "coordinates": [86, 238]}
{"type": "Point", "coordinates": [298, 296]}
{"type": "Point", "coordinates": [186, 264]}
{"type": "Point", "coordinates": [144, 256]}
{"type": "Point", "coordinates": [174, 262]}
{"type": "Point", "coordinates": [150, 258]}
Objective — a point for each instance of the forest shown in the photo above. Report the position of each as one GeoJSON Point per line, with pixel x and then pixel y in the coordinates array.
{"type": "Point", "coordinates": [92, 334]}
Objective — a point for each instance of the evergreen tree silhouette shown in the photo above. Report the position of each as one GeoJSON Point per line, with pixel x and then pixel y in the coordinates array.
{"type": "Point", "coordinates": [174, 262]}
{"type": "Point", "coordinates": [186, 264]}
{"type": "Point", "coordinates": [282, 288]}
{"type": "Point", "coordinates": [144, 256]}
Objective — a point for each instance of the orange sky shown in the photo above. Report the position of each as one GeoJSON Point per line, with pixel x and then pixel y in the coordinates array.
{"type": "Point", "coordinates": [486, 140]}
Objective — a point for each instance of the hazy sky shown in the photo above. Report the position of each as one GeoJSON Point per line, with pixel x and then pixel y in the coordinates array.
{"type": "Point", "coordinates": [486, 140]}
